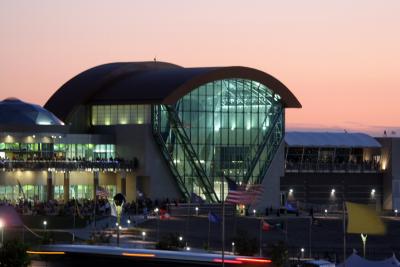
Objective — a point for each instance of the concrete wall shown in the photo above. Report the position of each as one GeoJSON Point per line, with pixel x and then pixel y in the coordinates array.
{"type": "Point", "coordinates": [138, 141]}
{"type": "Point", "coordinates": [315, 188]}
{"type": "Point", "coordinates": [24, 177]}
{"type": "Point", "coordinates": [390, 157]}
{"type": "Point", "coordinates": [271, 181]}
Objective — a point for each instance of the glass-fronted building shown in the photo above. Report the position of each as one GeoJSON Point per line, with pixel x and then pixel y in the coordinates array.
{"type": "Point", "coordinates": [176, 130]}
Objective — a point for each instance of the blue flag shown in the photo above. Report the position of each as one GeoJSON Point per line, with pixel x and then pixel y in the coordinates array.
{"type": "Point", "coordinates": [196, 198]}
{"type": "Point", "coordinates": [290, 207]}
{"type": "Point", "coordinates": [212, 217]}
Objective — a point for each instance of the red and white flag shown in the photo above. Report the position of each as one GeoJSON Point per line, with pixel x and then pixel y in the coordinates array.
{"type": "Point", "coordinates": [241, 195]}
{"type": "Point", "coordinates": [265, 226]}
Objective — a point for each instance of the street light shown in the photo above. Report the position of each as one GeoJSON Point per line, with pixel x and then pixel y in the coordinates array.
{"type": "Point", "coordinates": [2, 225]}
{"type": "Point", "coordinates": [197, 211]}
{"type": "Point", "coordinates": [129, 222]}
{"type": "Point", "coordinates": [333, 192]}
{"type": "Point", "coordinates": [45, 225]}
{"type": "Point", "coordinates": [326, 212]}
{"type": "Point", "coordinates": [395, 212]}
{"type": "Point", "coordinates": [144, 235]}
{"type": "Point", "coordinates": [233, 247]}
{"type": "Point", "coordinates": [254, 212]}
{"type": "Point", "coordinates": [158, 223]}
{"type": "Point", "coordinates": [302, 252]}
{"type": "Point", "coordinates": [180, 238]}
{"type": "Point", "coordinates": [290, 191]}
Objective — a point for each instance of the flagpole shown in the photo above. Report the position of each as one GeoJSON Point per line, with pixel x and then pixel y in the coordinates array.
{"type": "Point", "coordinates": [309, 237]}
{"type": "Point", "coordinates": [260, 239]}
{"type": "Point", "coordinates": [223, 222]}
{"type": "Point", "coordinates": [74, 223]}
{"type": "Point", "coordinates": [209, 231]}
{"type": "Point", "coordinates": [344, 234]}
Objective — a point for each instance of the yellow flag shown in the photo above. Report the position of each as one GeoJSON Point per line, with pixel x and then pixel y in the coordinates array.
{"type": "Point", "coordinates": [363, 219]}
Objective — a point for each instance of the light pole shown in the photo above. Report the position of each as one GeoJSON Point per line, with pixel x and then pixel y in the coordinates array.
{"type": "Point", "coordinates": [254, 212]}
{"type": "Point", "coordinates": [326, 212]}
{"type": "Point", "coordinates": [302, 253]}
{"type": "Point", "coordinates": [197, 211]}
{"type": "Point", "coordinates": [233, 248]}
{"type": "Point", "coordinates": [2, 225]}
{"type": "Point", "coordinates": [395, 212]}
{"type": "Point", "coordinates": [119, 200]}
{"type": "Point", "coordinates": [129, 223]}
{"type": "Point", "coordinates": [144, 236]}
{"type": "Point", "coordinates": [156, 210]}
{"type": "Point", "coordinates": [45, 225]}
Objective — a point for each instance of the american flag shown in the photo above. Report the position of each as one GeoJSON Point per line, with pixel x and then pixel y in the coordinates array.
{"type": "Point", "coordinates": [239, 194]}
{"type": "Point", "coordinates": [101, 192]}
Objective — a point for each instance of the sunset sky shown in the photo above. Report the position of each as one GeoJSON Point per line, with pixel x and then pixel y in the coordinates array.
{"type": "Point", "coordinates": [340, 58]}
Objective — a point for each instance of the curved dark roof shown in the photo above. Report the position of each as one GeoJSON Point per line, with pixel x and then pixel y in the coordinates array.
{"type": "Point", "coordinates": [16, 112]}
{"type": "Point", "coordinates": [149, 83]}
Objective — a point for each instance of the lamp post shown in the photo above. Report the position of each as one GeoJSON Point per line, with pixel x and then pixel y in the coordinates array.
{"type": "Point", "coordinates": [395, 212]}
{"type": "Point", "coordinates": [129, 223]}
{"type": "Point", "coordinates": [144, 236]}
{"type": "Point", "coordinates": [254, 212]}
{"type": "Point", "coordinates": [197, 211]}
{"type": "Point", "coordinates": [302, 252]}
{"type": "Point", "coordinates": [326, 212]}
{"type": "Point", "coordinates": [156, 210]}
{"type": "Point", "coordinates": [2, 225]}
{"type": "Point", "coordinates": [233, 248]}
{"type": "Point", "coordinates": [119, 200]}
{"type": "Point", "coordinates": [45, 225]}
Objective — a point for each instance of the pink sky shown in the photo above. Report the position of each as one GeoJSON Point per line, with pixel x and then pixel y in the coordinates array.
{"type": "Point", "coordinates": [340, 58]}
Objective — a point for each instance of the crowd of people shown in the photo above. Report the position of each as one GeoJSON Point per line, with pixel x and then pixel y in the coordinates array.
{"type": "Point", "coordinates": [86, 207]}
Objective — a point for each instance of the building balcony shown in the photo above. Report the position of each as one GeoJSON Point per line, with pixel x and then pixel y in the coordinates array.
{"type": "Point", "coordinates": [68, 165]}
{"type": "Point", "coordinates": [365, 167]}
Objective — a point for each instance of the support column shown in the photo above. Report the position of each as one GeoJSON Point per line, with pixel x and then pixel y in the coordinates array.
{"type": "Point", "coordinates": [66, 186]}
{"type": "Point", "coordinates": [50, 187]}
{"type": "Point", "coordinates": [123, 183]}
{"type": "Point", "coordinates": [95, 183]}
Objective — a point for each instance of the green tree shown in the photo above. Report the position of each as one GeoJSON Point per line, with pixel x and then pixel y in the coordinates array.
{"type": "Point", "coordinates": [279, 254]}
{"type": "Point", "coordinates": [13, 254]}
{"type": "Point", "coordinates": [244, 245]}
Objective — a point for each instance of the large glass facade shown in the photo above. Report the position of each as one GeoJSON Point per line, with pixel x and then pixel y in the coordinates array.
{"type": "Point", "coordinates": [48, 151]}
{"type": "Point", "coordinates": [120, 114]}
{"type": "Point", "coordinates": [31, 192]}
{"type": "Point", "coordinates": [227, 126]}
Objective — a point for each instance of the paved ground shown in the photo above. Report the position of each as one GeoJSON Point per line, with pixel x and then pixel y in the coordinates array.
{"type": "Point", "coordinates": [326, 237]}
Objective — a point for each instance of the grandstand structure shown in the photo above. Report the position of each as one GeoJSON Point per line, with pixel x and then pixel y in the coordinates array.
{"type": "Point", "coordinates": [322, 169]}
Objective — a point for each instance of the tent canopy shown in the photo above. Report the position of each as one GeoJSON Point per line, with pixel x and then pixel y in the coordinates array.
{"type": "Point", "coordinates": [356, 261]}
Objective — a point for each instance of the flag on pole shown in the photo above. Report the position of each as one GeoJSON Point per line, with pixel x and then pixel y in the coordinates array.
{"type": "Point", "coordinates": [239, 194]}
{"type": "Point", "coordinates": [213, 218]}
{"type": "Point", "coordinates": [363, 219]}
{"type": "Point", "coordinates": [195, 198]}
{"type": "Point", "coordinates": [265, 226]}
{"type": "Point", "coordinates": [21, 189]}
{"type": "Point", "coordinates": [77, 211]}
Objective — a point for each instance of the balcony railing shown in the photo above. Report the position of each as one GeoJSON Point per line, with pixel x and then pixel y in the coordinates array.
{"type": "Point", "coordinates": [67, 165]}
{"type": "Point", "coordinates": [331, 167]}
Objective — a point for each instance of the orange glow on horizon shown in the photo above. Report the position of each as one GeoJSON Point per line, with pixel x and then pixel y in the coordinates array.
{"type": "Point", "coordinates": [339, 58]}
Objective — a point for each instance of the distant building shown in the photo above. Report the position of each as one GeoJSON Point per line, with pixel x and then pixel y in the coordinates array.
{"type": "Point", "coordinates": [322, 169]}
{"type": "Point", "coordinates": [149, 128]}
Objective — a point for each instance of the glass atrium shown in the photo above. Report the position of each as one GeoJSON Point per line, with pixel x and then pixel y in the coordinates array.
{"type": "Point", "coordinates": [229, 127]}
